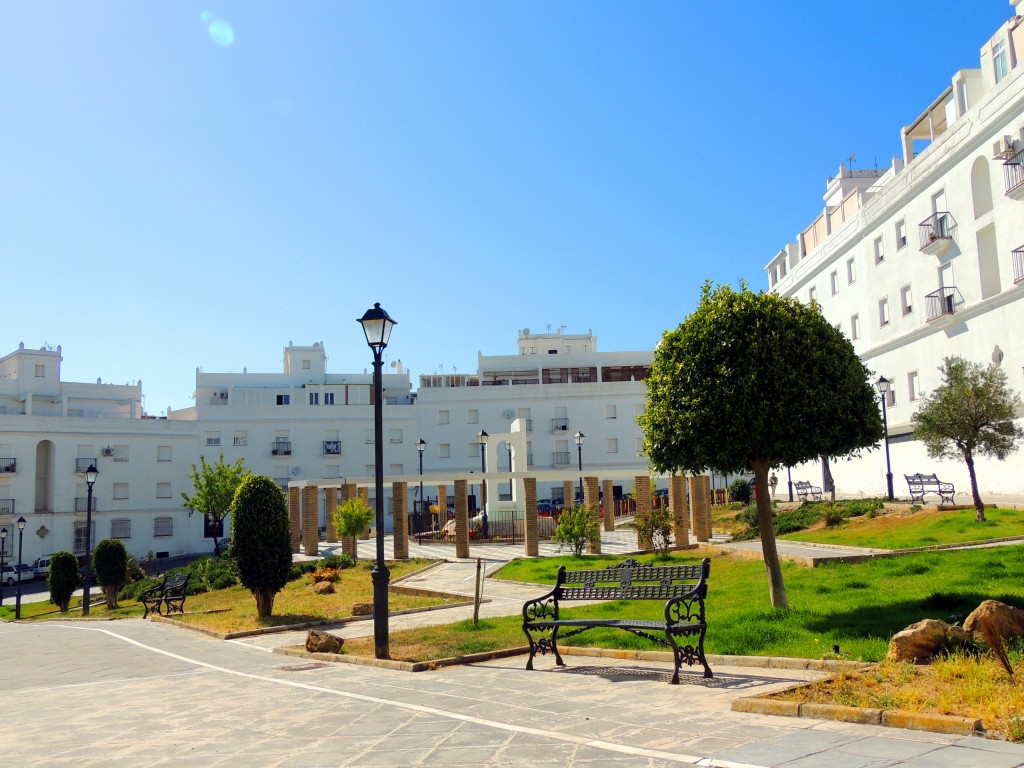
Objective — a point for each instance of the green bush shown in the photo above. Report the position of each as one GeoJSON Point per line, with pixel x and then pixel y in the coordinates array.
{"type": "Point", "coordinates": [793, 520]}
{"type": "Point", "coordinates": [63, 579]}
{"type": "Point", "coordinates": [741, 491]}
{"type": "Point", "coordinates": [340, 562]}
{"type": "Point", "coordinates": [133, 590]}
{"type": "Point", "coordinates": [110, 564]}
{"type": "Point", "coordinates": [134, 570]}
{"type": "Point", "coordinates": [298, 570]}
{"type": "Point", "coordinates": [261, 540]}
{"type": "Point", "coordinates": [577, 525]}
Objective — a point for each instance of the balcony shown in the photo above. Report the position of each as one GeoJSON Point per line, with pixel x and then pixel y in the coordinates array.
{"type": "Point", "coordinates": [529, 425]}
{"type": "Point", "coordinates": [6, 506]}
{"type": "Point", "coordinates": [560, 458]}
{"type": "Point", "coordinates": [1013, 175]}
{"type": "Point", "coordinates": [83, 464]}
{"type": "Point", "coordinates": [281, 448]}
{"type": "Point", "coordinates": [1018, 268]}
{"type": "Point", "coordinates": [8, 466]}
{"type": "Point", "coordinates": [332, 448]}
{"type": "Point", "coordinates": [559, 425]}
{"type": "Point", "coordinates": [82, 503]}
{"type": "Point", "coordinates": [937, 233]}
{"type": "Point", "coordinates": [943, 303]}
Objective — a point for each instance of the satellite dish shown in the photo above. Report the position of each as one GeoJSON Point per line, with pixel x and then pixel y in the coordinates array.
{"type": "Point", "coordinates": [393, 364]}
{"type": "Point", "coordinates": [295, 470]}
{"type": "Point", "coordinates": [508, 414]}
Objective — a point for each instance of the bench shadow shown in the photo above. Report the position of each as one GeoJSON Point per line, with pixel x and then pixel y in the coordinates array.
{"type": "Point", "coordinates": [622, 674]}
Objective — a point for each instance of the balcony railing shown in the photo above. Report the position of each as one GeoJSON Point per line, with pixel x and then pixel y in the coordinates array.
{"type": "Point", "coordinates": [1018, 266]}
{"type": "Point", "coordinates": [83, 464]}
{"type": "Point", "coordinates": [332, 447]}
{"type": "Point", "coordinates": [560, 458]}
{"type": "Point", "coordinates": [937, 233]}
{"type": "Point", "coordinates": [1013, 175]}
{"type": "Point", "coordinates": [942, 303]}
{"type": "Point", "coordinates": [559, 425]}
{"type": "Point", "coordinates": [6, 506]}
{"type": "Point", "coordinates": [8, 465]}
{"type": "Point", "coordinates": [529, 425]}
{"type": "Point", "coordinates": [82, 503]}
{"type": "Point", "coordinates": [282, 448]}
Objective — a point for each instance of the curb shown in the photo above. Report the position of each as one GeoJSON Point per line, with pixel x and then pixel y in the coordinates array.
{"type": "Point", "coordinates": [401, 666]}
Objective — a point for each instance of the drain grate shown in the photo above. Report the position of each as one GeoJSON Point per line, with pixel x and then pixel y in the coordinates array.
{"type": "Point", "coordinates": [302, 667]}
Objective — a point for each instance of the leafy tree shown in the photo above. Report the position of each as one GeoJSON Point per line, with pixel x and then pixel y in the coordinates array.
{"type": "Point", "coordinates": [110, 561]}
{"type": "Point", "coordinates": [262, 543]}
{"type": "Point", "coordinates": [755, 380]}
{"type": "Point", "coordinates": [63, 579]}
{"type": "Point", "coordinates": [351, 519]}
{"type": "Point", "coordinates": [577, 525]}
{"type": "Point", "coordinates": [215, 486]}
{"type": "Point", "coordinates": [970, 414]}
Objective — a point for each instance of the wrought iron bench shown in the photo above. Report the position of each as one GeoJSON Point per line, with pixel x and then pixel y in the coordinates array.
{"type": "Point", "coordinates": [168, 597]}
{"type": "Point", "coordinates": [805, 489]}
{"type": "Point", "coordinates": [921, 484]}
{"type": "Point", "coordinates": [683, 588]}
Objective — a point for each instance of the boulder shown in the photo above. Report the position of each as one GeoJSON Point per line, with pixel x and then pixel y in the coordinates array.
{"type": "Point", "coordinates": [1005, 619]}
{"type": "Point", "coordinates": [362, 609]}
{"type": "Point", "coordinates": [323, 588]}
{"type": "Point", "coordinates": [323, 642]}
{"type": "Point", "coordinates": [920, 641]}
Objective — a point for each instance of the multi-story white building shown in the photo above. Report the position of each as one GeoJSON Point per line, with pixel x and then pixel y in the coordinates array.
{"type": "Point", "coordinates": [925, 260]}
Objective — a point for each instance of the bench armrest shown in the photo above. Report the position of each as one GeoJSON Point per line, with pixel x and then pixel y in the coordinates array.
{"type": "Point", "coordinates": [544, 607]}
{"type": "Point", "coordinates": [687, 608]}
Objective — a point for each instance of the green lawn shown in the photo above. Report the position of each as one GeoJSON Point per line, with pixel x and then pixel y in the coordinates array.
{"type": "Point", "coordinates": [924, 528]}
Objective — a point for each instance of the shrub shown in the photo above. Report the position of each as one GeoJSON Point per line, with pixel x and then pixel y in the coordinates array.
{"type": "Point", "coordinates": [577, 525]}
{"type": "Point", "coordinates": [110, 562]}
{"type": "Point", "coordinates": [340, 562]}
{"type": "Point", "coordinates": [740, 490]}
{"type": "Point", "coordinates": [261, 539]}
{"type": "Point", "coordinates": [833, 516]}
{"type": "Point", "coordinates": [298, 570]}
{"type": "Point", "coordinates": [133, 590]}
{"type": "Point", "coordinates": [657, 529]}
{"type": "Point", "coordinates": [134, 570]}
{"type": "Point", "coordinates": [326, 574]}
{"type": "Point", "coordinates": [63, 579]}
{"type": "Point", "coordinates": [793, 520]}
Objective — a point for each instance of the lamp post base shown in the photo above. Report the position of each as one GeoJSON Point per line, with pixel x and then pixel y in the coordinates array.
{"type": "Point", "coordinates": [888, 481]}
{"type": "Point", "coordinates": [380, 575]}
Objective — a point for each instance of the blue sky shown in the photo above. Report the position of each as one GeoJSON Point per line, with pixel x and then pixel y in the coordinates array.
{"type": "Point", "coordinates": [188, 185]}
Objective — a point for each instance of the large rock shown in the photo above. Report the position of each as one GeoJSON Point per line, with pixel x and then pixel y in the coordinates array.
{"type": "Point", "coordinates": [362, 609]}
{"type": "Point", "coordinates": [1007, 620]}
{"type": "Point", "coordinates": [323, 642]}
{"type": "Point", "coordinates": [920, 641]}
{"type": "Point", "coordinates": [323, 588]}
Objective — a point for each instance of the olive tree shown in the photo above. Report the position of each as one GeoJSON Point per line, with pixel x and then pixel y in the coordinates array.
{"type": "Point", "coordinates": [110, 561]}
{"type": "Point", "coordinates": [262, 543]}
{"type": "Point", "coordinates": [970, 414]}
{"type": "Point", "coordinates": [751, 381]}
{"type": "Point", "coordinates": [214, 488]}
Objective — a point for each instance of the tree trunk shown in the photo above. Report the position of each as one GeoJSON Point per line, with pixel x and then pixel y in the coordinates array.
{"type": "Point", "coordinates": [978, 506]}
{"type": "Point", "coordinates": [776, 588]}
{"type": "Point", "coordinates": [264, 603]}
{"type": "Point", "coordinates": [350, 547]}
{"type": "Point", "coordinates": [110, 595]}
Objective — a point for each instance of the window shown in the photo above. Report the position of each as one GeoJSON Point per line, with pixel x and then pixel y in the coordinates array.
{"type": "Point", "coordinates": [121, 453]}
{"type": "Point", "coordinates": [883, 313]}
{"type": "Point", "coordinates": [284, 399]}
{"type": "Point", "coordinates": [638, 445]}
{"type": "Point", "coordinates": [442, 417]}
{"type": "Point", "coordinates": [879, 251]}
{"type": "Point", "coordinates": [472, 416]}
{"type": "Point", "coordinates": [444, 450]}
{"type": "Point", "coordinates": [610, 412]}
{"type": "Point", "coordinates": [851, 271]}
{"type": "Point", "coordinates": [332, 470]}
{"type": "Point", "coordinates": [213, 438]}
{"type": "Point", "coordinates": [332, 434]}
{"type": "Point", "coordinates": [906, 302]}
{"type": "Point", "coordinates": [396, 469]}
{"type": "Point", "coordinates": [890, 399]}
{"type": "Point", "coordinates": [639, 409]}
{"type": "Point", "coordinates": [855, 327]}
{"type": "Point", "coordinates": [901, 234]}
{"type": "Point", "coordinates": [913, 386]}
{"type": "Point", "coordinates": [369, 437]}
{"type": "Point", "coordinates": [163, 453]}
{"type": "Point", "coordinates": [314, 398]}
{"type": "Point", "coordinates": [121, 491]}
{"type": "Point", "coordinates": [40, 371]}
{"type": "Point", "coordinates": [812, 294]}
{"type": "Point", "coordinates": [120, 529]}
{"type": "Point", "coordinates": [999, 60]}
{"type": "Point", "coordinates": [80, 537]}
{"type": "Point", "coordinates": [611, 445]}
{"type": "Point", "coordinates": [241, 438]}
{"type": "Point", "coordinates": [394, 436]}
{"type": "Point", "coordinates": [163, 490]}
{"type": "Point", "coordinates": [163, 526]}
{"type": "Point", "coordinates": [328, 398]}
{"type": "Point", "coordinates": [473, 450]}
{"type": "Point", "coordinates": [834, 279]}
{"type": "Point", "coordinates": [305, 365]}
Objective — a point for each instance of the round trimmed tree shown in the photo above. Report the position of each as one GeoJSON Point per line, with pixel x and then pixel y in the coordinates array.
{"type": "Point", "coordinates": [63, 579]}
{"type": "Point", "coordinates": [110, 563]}
{"type": "Point", "coordinates": [262, 544]}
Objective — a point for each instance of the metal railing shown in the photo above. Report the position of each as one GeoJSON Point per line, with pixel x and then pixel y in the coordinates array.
{"type": "Point", "coordinates": [559, 425]}
{"type": "Point", "coordinates": [8, 465]}
{"type": "Point", "coordinates": [82, 504]}
{"type": "Point", "coordinates": [83, 464]}
{"type": "Point", "coordinates": [1017, 255]}
{"type": "Point", "coordinates": [6, 506]}
{"type": "Point", "coordinates": [282, 448]}
{"type": "Point", "coordinates": [1013, 173]}
{"type": "Point", "coordinates": [939, 226]}
{"type": "Point", "coordinates": [560, 458]}
{"type": "Point", "coordinates": [332, 447]}
{"type": "Point", "coordinates": [943, 302]}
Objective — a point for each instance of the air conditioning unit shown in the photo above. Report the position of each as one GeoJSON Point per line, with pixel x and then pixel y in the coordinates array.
{"type": "Point", "coordinates": [1003, 149]}
{"type": "Point", "coordinates": [108, 451]}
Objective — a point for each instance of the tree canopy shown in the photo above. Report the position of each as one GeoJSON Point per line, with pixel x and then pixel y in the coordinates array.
{"type": "Point", "coordinates": [262, 539]}
{"type": "Point", "coordinates": [754, 380]}
{"type": "Point", "coordinates": [971, 414]}
{"type": "Point", "coordinates": [215, 486]}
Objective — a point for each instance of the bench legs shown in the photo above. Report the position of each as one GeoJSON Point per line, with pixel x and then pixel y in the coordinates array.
{"type": "Point", "coordinates": [539, 641]}
{"type": "Point", "coordinates": [688, 653]}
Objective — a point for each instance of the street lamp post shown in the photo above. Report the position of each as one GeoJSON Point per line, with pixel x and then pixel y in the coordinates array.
{"type": "Point", "coordinates": [481, 438]}
{"type": "Point", "coordinates": [884, 385]}
{"type": "Point", "coordinates": [578, 437]}
{"type": "Point", "coordinates": [420, 447]}
{"type": "Point", "coordinates": [377, 325]}
{"type": "Point", "coordinates": [17, 599]}
{"type": "Point", "coordinates": [3, 547]}
{"type": "Point", "coordinates": [90, 479]}
{"type": "Point", "coordinates": [789, 478]}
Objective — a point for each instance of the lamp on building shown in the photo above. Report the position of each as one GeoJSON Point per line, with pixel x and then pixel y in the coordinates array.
{"type": "Point", "coordinates": [90, 479]}
{"type": "Point", "coordinates": [579, 437]}
{"type": "Point", "coordinates": [420, 447]}
{"type": "Point", "coordinates": [481, 437]}
{"type": "Point", "coordinates": [884, 386]}
{"type": "Point", "coordinates": [3, 551]}
{"type": "Point", "coordinates": [21, 536]}
{"type": "Point", "coordinates": [377, 325]}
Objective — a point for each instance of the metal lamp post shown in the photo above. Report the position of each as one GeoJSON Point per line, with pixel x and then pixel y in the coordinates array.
{"type": "Point", "coordinates": [579, 437]}
{"type": "Point", "coordinates": [377, 325]}
{"type": "Point", "coordinates": [481, 438]}
{"type": "Point", "coordinates": [90, 479]}
{"type": "Point", "coordinates": [884, 385]}
{"type": "Point", "coordinates": [17, 599]}
{"type": "Point", "coordinates": [789, 478]}
{"type": "Point", "coordinates": [3, 548]}
{"type": "Point", "coordinates": [420, 447]}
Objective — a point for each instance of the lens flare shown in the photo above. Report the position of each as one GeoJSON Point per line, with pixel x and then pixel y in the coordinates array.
{"type": "Point", "coordinates": [220, 31]}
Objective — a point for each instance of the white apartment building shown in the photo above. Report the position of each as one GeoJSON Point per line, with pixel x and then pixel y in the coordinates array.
{"type": "Point", "coordinates": [925, 260]}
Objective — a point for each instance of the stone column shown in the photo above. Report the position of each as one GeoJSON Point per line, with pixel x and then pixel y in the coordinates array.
{"type": "Point", "coordinates": [530, 523]}
{"type": "Point", "coordinates": [591, 499]}
{"type": "Point", "coordinates": [294, 515]}
{"type": "Point", "coordinates": [364, 494]}
{"type": "Point", "coordinates": [568, 492]}
{"type": "Point", "coordinates": [400, 493]}
{"type": "Point", "coordinates": [680, 510]}
{"type": "Point", "coordinates": [310, 520]}
{"type": "Point", "coordinates": [330, 507]}
{"type": "Point", "coordinates": [608, 490]}
{"type": "Point", "coordinates": [700, 507]}
{"type": "Point", "coordinates": [348, 543]}
{"type": "Point", "coordinates": [642, 483]}
{"type": "Point", "coordinates": [461, 518]}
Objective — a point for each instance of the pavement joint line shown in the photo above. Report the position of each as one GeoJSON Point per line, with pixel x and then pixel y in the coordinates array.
{"type": "Point", "coordinates": [526, 730]}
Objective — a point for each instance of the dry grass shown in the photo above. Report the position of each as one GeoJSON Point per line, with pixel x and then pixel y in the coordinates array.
{"type": "Point", "coordinates": [960, 685]}
{"type": "Point", "coordinates": [447, 640]}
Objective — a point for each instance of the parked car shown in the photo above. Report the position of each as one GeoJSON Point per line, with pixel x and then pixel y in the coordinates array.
{"type": "Point", "coordinates": [10, 574]}
{"type": "Point", "coordinates": [41, 566]}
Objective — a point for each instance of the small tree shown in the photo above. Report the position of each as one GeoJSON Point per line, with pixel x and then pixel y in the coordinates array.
{"type": "Point", "coordinates": [756, 380]}
{"type": "Point", "coordinates": [577, 525]}
{"type": "Point", "coordinates": [970, 414]}
{"type": "Point", "coordinates": [63, 579]}
{"type": "Point", "coordinates": [656, 528]}
{"type": "Point", "coordinates": [740, 490]}
{"type": "Point", "coordinates": [110, 561]}
{"type": "Point", "coordinates": [350, 520]}
{"type": "Point", "coordinates": [215, 486]}
{"type": "Point", "coordinates": [262, 543]}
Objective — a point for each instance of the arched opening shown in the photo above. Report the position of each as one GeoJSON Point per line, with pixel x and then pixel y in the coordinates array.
{"type": "Point", "coordinates": [44, 476]}
{"type": "Point", "coordinates": [981, 187]}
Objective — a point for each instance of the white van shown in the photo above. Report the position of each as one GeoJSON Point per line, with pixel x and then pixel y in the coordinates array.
{"type": "Point", "coordinates": [41, 567]}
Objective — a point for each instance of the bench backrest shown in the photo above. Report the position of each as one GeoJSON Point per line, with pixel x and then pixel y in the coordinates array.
{"type": "Point", "coordinates": [920, 479]}
{"type": "Point", "coordinates": [176, 584]}
{"type": "Point", "coordinates": [630, 580]}
{"type": "Point", "coordinates": [801, 484]}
